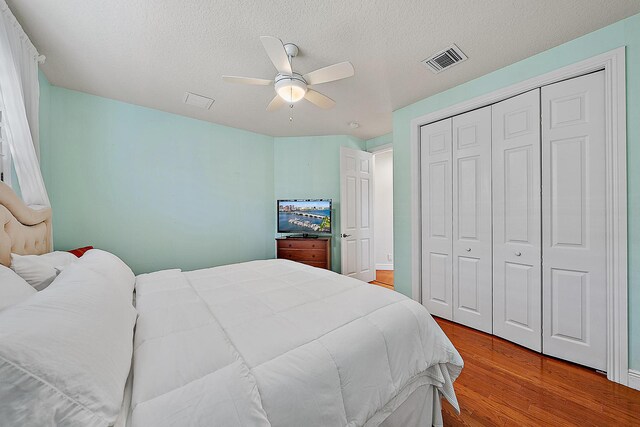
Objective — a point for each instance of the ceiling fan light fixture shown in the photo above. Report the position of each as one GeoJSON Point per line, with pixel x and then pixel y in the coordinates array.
{"type": "Point", "coordinates": [290, 88]}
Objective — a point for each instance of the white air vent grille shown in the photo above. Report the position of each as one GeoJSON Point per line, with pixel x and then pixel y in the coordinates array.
{"type": "Point", "coordinates": [198, 100]}
{"type": "Point", "coordinates": [444, 59]}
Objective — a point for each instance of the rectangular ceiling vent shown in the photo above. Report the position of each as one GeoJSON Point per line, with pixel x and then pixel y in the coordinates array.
{"type": "Point", "coordinates": [198, 100]}
{"type": "Point", "coordinates": [444, 59]}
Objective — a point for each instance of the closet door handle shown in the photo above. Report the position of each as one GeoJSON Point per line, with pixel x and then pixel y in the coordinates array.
{"type": "Point", "coordinates": [518, 253]}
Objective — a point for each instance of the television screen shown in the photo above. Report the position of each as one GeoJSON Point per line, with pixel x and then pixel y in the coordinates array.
{"type": "Point", "coordinates": [304, 216]}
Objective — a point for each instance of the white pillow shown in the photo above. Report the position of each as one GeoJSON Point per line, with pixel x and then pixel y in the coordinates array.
{"type": "Point", "coordinates": [13, 288]}
{"type": "Point", "coordinates": [40, 270]}
{"type": "Point", "coordinates": [112, 267]}
{"type": "Point", "coordinates": [65, 353]}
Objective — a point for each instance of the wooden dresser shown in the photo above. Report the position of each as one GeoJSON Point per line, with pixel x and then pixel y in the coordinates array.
{"type": "Point", "coordinates": [315, 252]}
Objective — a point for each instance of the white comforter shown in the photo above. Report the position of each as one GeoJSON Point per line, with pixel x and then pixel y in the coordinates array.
{"type": "Point", "coordinates": [280, 343]}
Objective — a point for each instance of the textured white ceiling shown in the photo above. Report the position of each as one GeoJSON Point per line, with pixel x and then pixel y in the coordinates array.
{"type": "Point", "coordinates": [150, 52]}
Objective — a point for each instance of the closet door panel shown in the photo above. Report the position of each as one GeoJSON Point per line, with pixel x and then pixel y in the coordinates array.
{"type": "Point", "coordinates": [472, 301]}
{"type": "Point", "coordinates": [573, 206]}
{"type": "Point", "coordinates": [516, 220]}
{"type": "Point", "coordinates": [436, 187]}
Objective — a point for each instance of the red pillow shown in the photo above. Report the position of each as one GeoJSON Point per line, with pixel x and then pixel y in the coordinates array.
{"type": "Point", "coordinates": [80, 251]}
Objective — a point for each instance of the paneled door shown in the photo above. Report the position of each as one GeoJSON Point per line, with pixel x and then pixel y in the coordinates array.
{"type": "Point", "coordinates": [436, 206]}
{"type": "Point", "coordinates": [472, 299]}
{"type": "Point", "coordinates": [517, 252]}
{"type": "Point", "coordinates": [573, 213]}
{"type": "Point", "coordinates": [356, 214]}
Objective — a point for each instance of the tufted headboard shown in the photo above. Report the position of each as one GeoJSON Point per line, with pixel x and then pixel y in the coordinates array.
{"type": "Point", "coordinates": [24, 231]}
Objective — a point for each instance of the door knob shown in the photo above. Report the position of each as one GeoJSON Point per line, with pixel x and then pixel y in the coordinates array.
{"type": "Point", "coordinates": [346, 235]}
{"type": "Point", "coordinates": [518, 253]}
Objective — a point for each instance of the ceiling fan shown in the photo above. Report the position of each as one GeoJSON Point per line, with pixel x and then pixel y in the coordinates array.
{"type": "Point", "coordinates": [290, 86]}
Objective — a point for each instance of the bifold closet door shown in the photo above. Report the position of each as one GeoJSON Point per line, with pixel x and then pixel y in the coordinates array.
{"type": "Point", "coordinates": [517, 286]}
{"type": "Point", "coordinates": [436, 187]}
{"type": "Point", "coordinates": [472, 300]}
{"type": "Point", "coordinates": [573, 212]}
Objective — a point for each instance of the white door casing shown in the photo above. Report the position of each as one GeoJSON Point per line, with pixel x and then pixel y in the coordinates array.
{"type": "Point", "coordinates": [472, 288]}
{"type": "Point", "coordinates": [356, 214]}
{"type": "Point", "coordinates": [574, 221]}
{"type": "Point", "coordinates": [436, 188]}
{"type": "Point", "coordinates": [517, 257]}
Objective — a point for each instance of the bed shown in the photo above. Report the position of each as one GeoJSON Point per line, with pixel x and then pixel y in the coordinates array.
{"type": "Point", "coordinates": [267, 342]}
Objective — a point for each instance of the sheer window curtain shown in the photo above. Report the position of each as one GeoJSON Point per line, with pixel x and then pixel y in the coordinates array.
{"type": "Point", "coordinates": [19, 101]}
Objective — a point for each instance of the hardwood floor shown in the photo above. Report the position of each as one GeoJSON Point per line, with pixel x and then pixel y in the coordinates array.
{"type": "Point", "coordinates": [384, 278]}
{"type": "Point", "coordinates": [507, 385]}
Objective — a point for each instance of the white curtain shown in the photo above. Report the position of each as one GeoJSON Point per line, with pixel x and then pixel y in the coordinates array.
{"type": "Point", "coordinates": [19, 101]}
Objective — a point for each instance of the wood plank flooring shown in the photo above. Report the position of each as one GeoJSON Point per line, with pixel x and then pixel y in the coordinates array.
{"type": "Point", "coordinates": [503, 384]}
{"type": "Point", "coordinates": [384, 278]}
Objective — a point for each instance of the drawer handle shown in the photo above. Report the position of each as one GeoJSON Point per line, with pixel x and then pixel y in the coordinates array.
{"type": "Point", "coordinates": [518, 253]}
{"type": "Point", "coordinates": [468, 249]}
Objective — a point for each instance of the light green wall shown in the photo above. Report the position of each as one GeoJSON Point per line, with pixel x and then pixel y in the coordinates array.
{"type": "Point", "coordinates": [164, 191]}
{"type": "Point", "coordinates": [309, 168]}
{"type": "Point", "coordinates": [157, 189]}
{"type": "Point", "coordinates": [378, 141]}
{"type": "Point", "coordinates": [626, 32]}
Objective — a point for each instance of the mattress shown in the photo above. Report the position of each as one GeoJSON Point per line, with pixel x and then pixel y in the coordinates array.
{"type": "Point", "coordinates": [280, 343]}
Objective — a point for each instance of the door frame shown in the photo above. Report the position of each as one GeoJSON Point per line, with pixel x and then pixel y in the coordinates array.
{"type": "Point", "coordinates": [613, 64]}
{"type": "Point", "coordinates": [385, 148]}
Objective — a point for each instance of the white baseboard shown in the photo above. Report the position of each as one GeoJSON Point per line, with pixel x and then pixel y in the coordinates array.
{"type": "Point", "coordinates": [384, 266]}
{"type": "Point", "coordinates": [634, 379]}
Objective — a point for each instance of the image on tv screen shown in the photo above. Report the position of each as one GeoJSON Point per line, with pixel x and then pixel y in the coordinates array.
{"type": "Point", "coordinates": [304, 216]}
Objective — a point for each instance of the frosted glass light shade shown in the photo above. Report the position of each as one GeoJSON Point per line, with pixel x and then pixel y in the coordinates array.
{"type": "Point", "coordinates": [291, 90]}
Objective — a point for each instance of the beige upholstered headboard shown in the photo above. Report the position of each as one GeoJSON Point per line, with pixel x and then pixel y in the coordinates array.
{"type": "Point", "coordinates": [24, 231]}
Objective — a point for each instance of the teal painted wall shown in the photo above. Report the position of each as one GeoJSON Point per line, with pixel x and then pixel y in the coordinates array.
{"type": "Point", "coordinates": [309, 168]}
{"type": "Point", "coordinates": [625, 32]}
{"type": "Point", "coordinates": [157, 189]}
{"type": "Point", "coordinates": [373, 143]}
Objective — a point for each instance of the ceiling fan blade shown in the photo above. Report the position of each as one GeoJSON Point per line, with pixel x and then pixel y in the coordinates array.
{"type": "Point", "coordinates": [277, 54]}
{"type": "Point", "coordinates": [331, 73]}
{"type": "Point", "coordinates": [275, 103]}
{"type": "Point", "coordinates": [247, 80]}
{"type": "Point", "coordinates": [322, 101]}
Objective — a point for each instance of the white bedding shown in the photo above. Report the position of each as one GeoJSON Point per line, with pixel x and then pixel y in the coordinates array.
{"type": "Point", "coordinates": [280, 343]}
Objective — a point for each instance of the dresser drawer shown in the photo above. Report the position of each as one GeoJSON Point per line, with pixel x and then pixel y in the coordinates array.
{"type": "Point", "coordinates": [313, 252]}
{"type": "Point", "coordinates": [315, 264]}
{"type": "Point", "coordinates": [302, 244]}
{"type": "Point", "coordinates": [318, 255]}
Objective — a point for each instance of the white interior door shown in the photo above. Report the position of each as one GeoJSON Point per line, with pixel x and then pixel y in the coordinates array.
{"type": "Point", "coordinates": [472, 294]}
{"type": "Point", "coordinates": [356, 214]}
{"type": "Point", "coordinates": [517, 252]}
{"type": "Point", "coordinates": [573, 212]}
{"type": "Point", "coordinates": [436, 205]}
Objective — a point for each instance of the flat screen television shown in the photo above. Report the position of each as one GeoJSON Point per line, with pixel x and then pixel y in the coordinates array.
{"type": "Point", "coordinates": [304, 216]}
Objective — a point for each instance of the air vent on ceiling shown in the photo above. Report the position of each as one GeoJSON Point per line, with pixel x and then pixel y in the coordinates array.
{"type": "Point", "coordinates": [198, 100]}
{"type": "Point", "coordinates": [444, 59]}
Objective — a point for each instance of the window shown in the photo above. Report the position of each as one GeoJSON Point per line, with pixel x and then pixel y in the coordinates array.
{"type": "Point", "coordinates": [5, 155]}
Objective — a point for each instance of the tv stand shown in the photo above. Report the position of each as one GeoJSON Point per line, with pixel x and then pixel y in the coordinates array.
{"type": "Point", "coordinates": [314, 251]}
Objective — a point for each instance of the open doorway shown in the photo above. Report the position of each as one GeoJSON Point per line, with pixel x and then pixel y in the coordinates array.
{"type": "Point", "coordinates": [383, 216]}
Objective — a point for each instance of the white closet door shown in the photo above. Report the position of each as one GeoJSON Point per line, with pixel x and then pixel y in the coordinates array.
{"type": "Point", "coordinates": [517, 292]}
{"type": "Point", "coordinates": [472, 299]}
{"type": "Point", "coordinates": [573, 212]}
{"type": "Point", "coordinates": [435, 153]}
